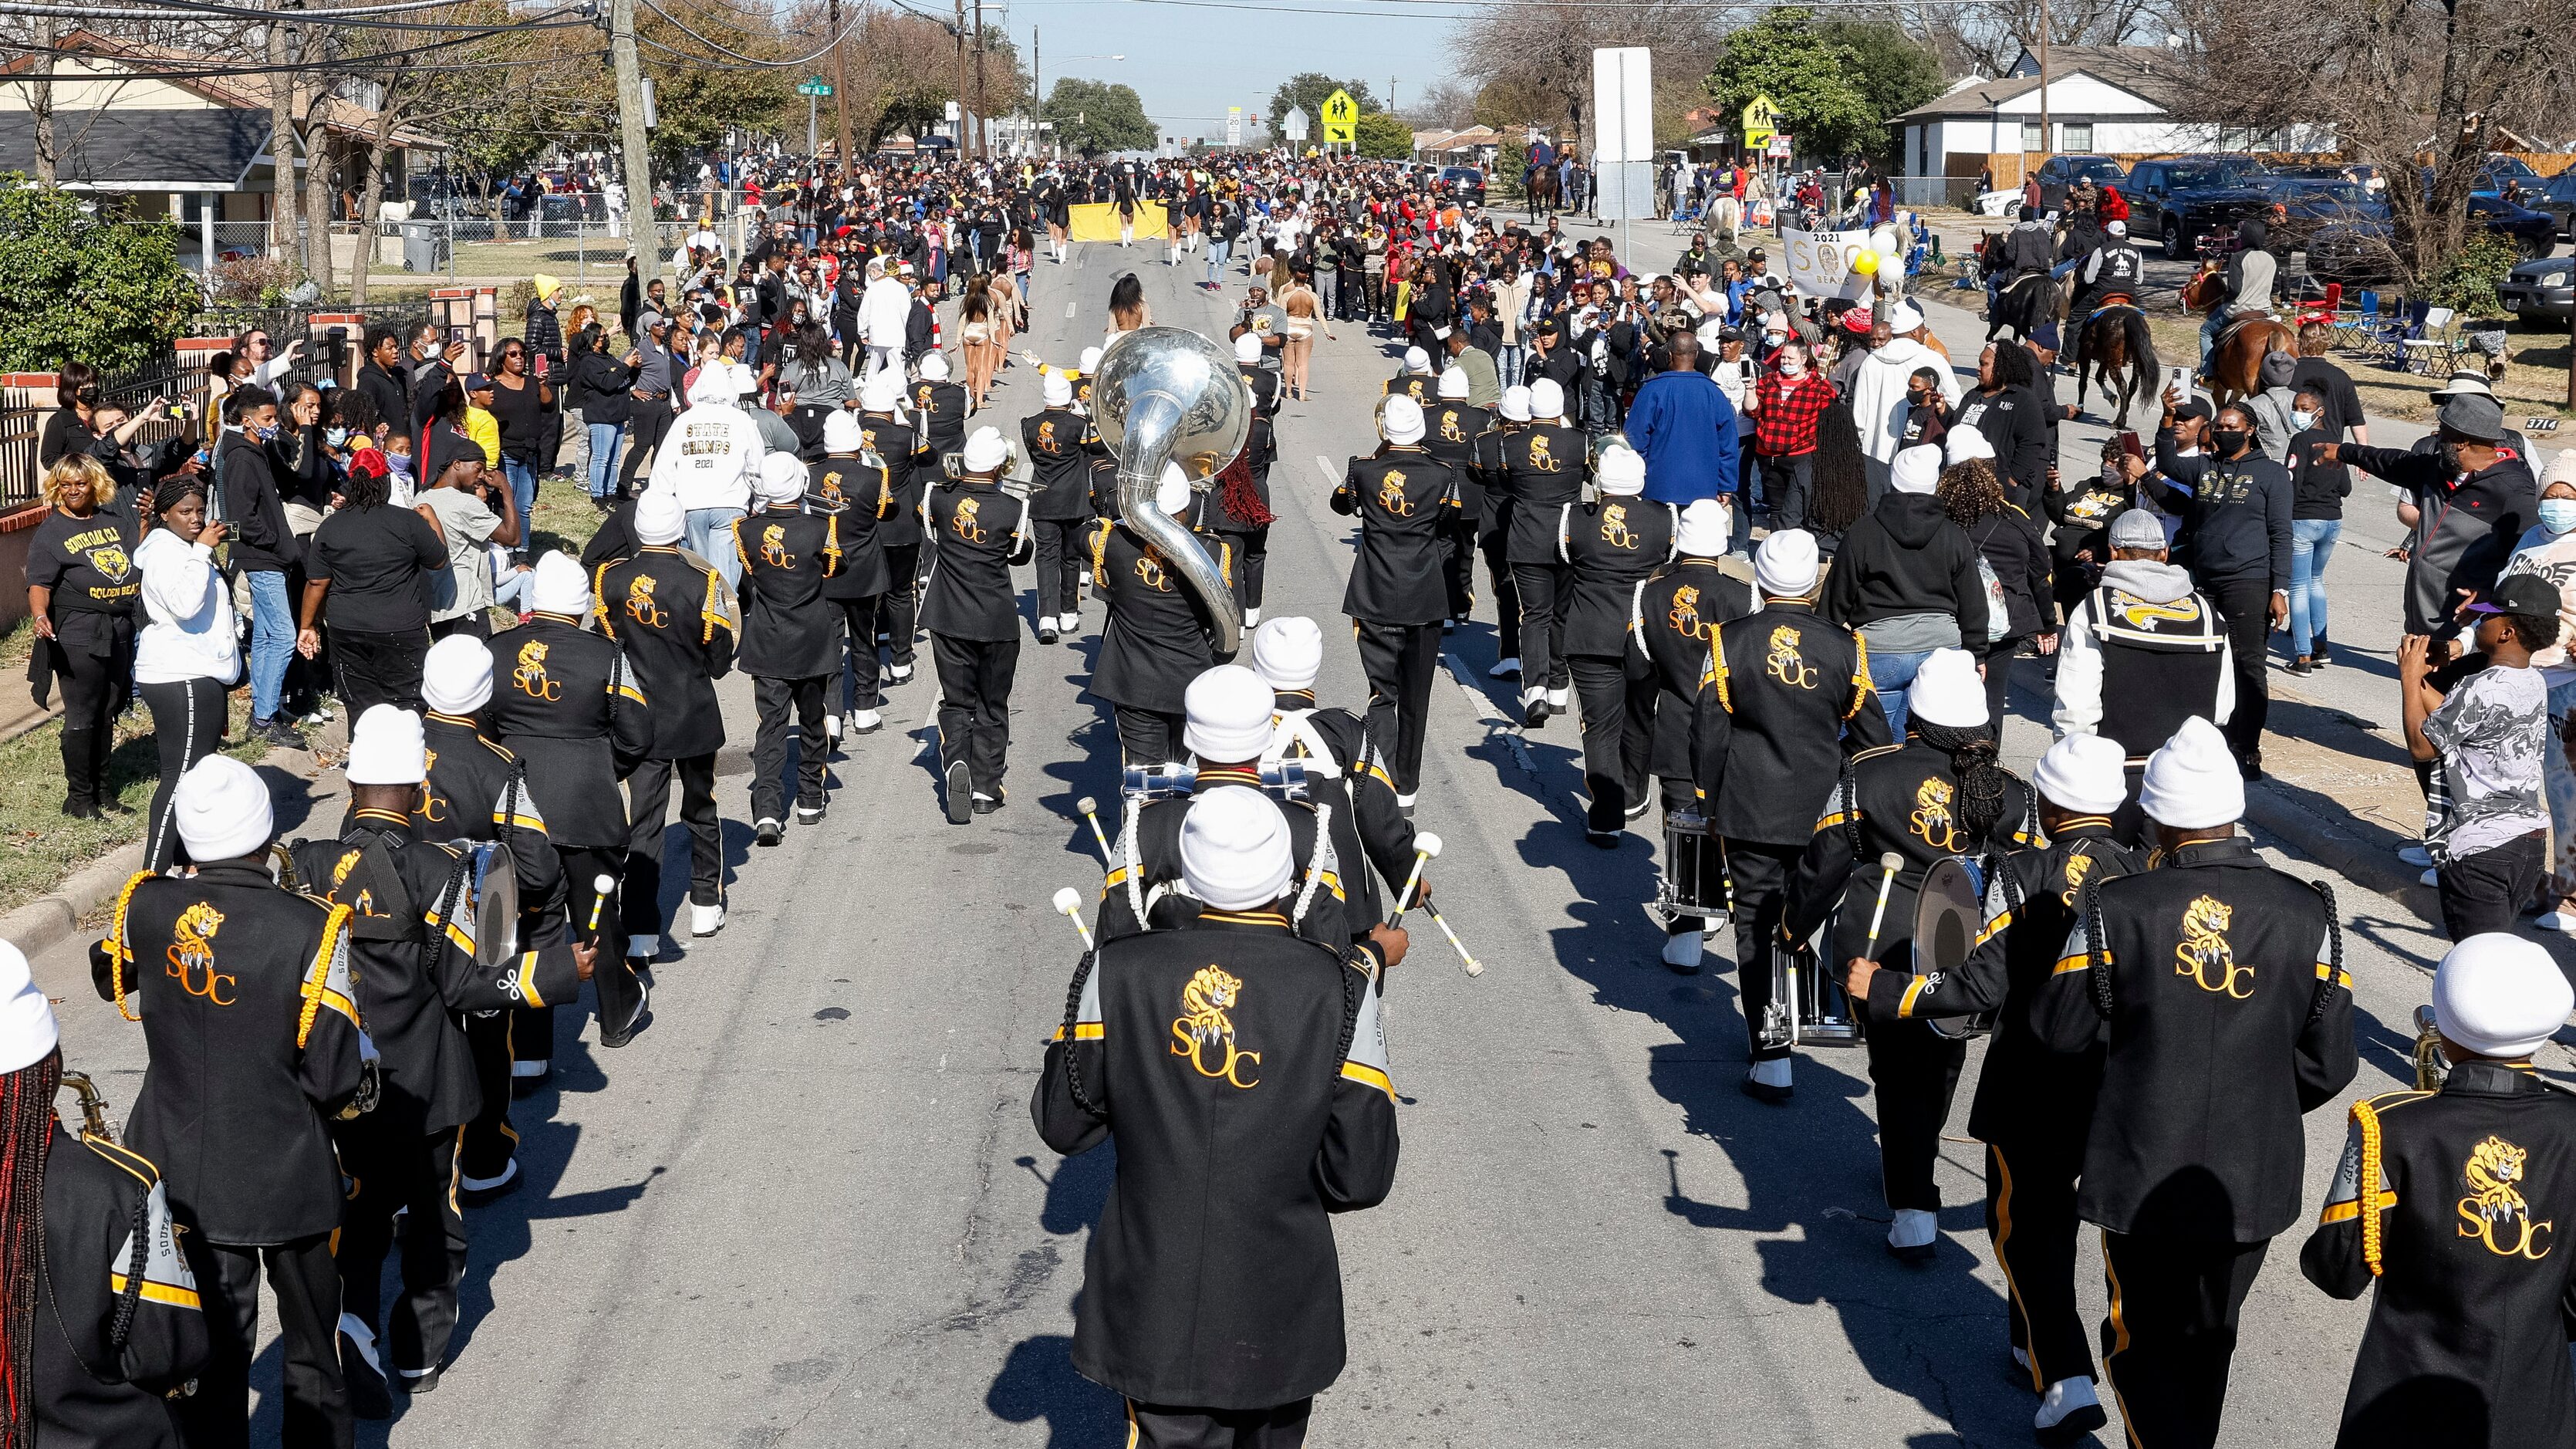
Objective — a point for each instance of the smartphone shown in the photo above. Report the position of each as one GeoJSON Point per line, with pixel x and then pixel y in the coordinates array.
{"type": "Point", "coordinates": [2178, 379]}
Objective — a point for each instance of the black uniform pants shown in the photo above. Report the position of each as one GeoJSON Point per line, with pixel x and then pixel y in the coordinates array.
{"type": "Point", "coordinates": [1151, 1426]}
{"type": "Point", "coordinates": [645, 425]}
{"type": "Point", "coordinates": [490, 1141]}
{"type": "Point", "coordinates": [307, 1285]}
{"type": "Point", "coordinates": [900, 608]}
{"type": "Point", "coordinates": [859, 687]}
{"type": "Point", "coordinates": [1545, 590]}
{"type": "Point", "coordinates": [1458, 565]}
{"type": "Point", "coordinates": [94, 689]}
{"type": "Point", "coordinates": [1059, 559]}
{"type": "Point", "coordinates": [774, 697]}
{"type": "Point", "coordinates": [532, 1035]}
{"type": "Point", "coordinates": [187, 725]}
{"type": "Point", "coordinates": [1757, 895]}
{"type": "Point", "coordinates": [1251, 564]}
{"type": "Point", "coordinates": [1147, 738]}
{"type": "Point", "coordinates": [2172, 1332]}
{"type": "Point", "coordinates": [392, 1172]}
{"type": "Point", "coordinates": [2246, 605]}
{"type": "Point", "coordinates": [1618, 698]}
{"type": "Point", "coordinates": [2030, 1218]}
{"type": "Point", "coordinates": [1398, 660]}
{"type": "Point", "coordinates": [1914, 1074]}
{"type": "Point", "coordinates": [648, 806]}
{"type": "Point", "coordinates": [379, 668]}
{"type": "Point", "coordinates": [1495, 542]}
{"type": "Point", "coordinates": [975, 706]}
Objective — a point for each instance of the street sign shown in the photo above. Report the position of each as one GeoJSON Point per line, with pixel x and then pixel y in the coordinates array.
{"type": "Point", "coordinates": [1234, 125]}
{"type": "Point", "coordinates": [952, 110]}
{"type": "Point", "coordinates": [1761, 120]}
{"type": "Point", "coordinates": [814, 87]}
{"type": "Point", "coordinates": [1293, 125]}
{"type": "Point", "coordinates": [1778, 147]}
{"type": "Point", "coordinates": [1341, 117]}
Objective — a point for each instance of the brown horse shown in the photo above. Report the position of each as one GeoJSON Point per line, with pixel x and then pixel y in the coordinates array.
{"type": "Point", "coordinates": [1539, 183]}
{"type": "Point", "coordinates": [2115, 344]}
{"type": "Point", "coordinates": [2236, 363]}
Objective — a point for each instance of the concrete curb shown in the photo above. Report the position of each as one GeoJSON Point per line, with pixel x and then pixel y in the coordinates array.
{"type": "Point", "coordinates": [2353, 854]}
{"type": "Point", "coordinates": [47, 919]}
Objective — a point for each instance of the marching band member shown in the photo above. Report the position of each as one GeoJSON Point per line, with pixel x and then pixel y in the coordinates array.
{"type": "Point", "coordinates": [2224, 1015]}
{"type": "Point", "coordinates": [1343, 766]}
{"type": "Point", "coordinates": [1229, 726]}
{"type": "Point", "coordinates": [939, 409]}
{"type": "Point", "coordinates": [1060, 446]}
{"type": "Point", "coordinates": [843, 483]}
{"type": "Point", "coordinates": [667, 615]}
{"type": "Point", "coordinates": [1939, 794]}
{"type": "Point", "coordinates": [1610, 548]}
{"type": "Point", "coordinates": [1235, 508]}
{"type": "Point", "coordinates": [884, 432]}
{"type": "Point", "coordinates": [791, 640]}
{"type": "Point", "coordinates": [1785, 700]}
{"type": "Point", "coordinates": [973, 616]}
{"type": "Point", "coordinates": [2033, 1105]}
{"type": "Point", "coordinates": [2448, 1202]}
{"type": "Point", "coordinates": [1159, 635]}
{"type": "Point", "coordinates": [412, 951]}
{"type": "Point", "coordinates": [1216, 1056]}
{"type": "Point", "coordinates": [1492, 483]}
{"type": "Point", "coordinates": [1544, 468]}
{"type": "Point", "coordinates": [1416, 381]}
{"type": "Point", "coordinates": [1396, 598]}
{"type": "Point", "coordinates": [1454, 432]}
{"type": "Point", "coordinates": [1263, 381]}
{"type": "Point", "coordinates": [1673, 621]}
{"type": "Point", "coordinates": [245, 999]}
{"type": "Point", "coordinates": [575, 711]}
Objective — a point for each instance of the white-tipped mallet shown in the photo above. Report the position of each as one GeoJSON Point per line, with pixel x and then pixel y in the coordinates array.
{"type": "Point", "coordinates": [1888, 864]}
{"type": "Point", "coordinates": [1426, 848]}
{"type": "Point", "coordinates": [1090, 809]}
{"type": "Point", "coordinates": [600, 886]}
{"type": "Point", "coordinates": [1474, 966]}
{"type": "Point", "coordinates": [1068, 904]}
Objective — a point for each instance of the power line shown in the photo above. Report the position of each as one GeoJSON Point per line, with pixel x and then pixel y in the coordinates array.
{"type": "Point", "coordinates": [364, 20]}
{"type": "Point", "coordinates": [731, 54]}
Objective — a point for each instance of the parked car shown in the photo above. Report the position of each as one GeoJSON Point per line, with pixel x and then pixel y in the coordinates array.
{"type": "Point", "coordinates": [2556, 197]}
{"type": "Point", "coordinates": [1467, 183]}
{"type": "Point", "coordinates": [2182, 200]}
{"type": "Point", "coordinates": [2545, 289]}
{"type": "Point", "coordinates": [2058, 175]}
{"type": "Point", "coordinates": [2355, 252]}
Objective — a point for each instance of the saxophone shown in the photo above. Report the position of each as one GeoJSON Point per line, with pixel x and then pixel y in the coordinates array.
{"type": "Point", "coordinates": [93, 1107]}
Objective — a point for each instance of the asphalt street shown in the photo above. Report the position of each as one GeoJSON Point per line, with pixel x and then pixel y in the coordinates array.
{"type": "Point", "coordinates": [807, 1207]}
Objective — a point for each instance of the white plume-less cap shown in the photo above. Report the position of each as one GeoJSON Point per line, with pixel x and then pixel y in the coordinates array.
{"type": "Point", "coordinates": [1904, 317]}
{"type": "Point", "coordinates": [2116, 227]}
{"type": "Point", "coordinates": [1547, 400]}
{"type": "Point", "coordinates": [1516, 404]}
{"type": "Point", "coordinates": [1056, 388]}
{"type": "Point", "coordinates": [987, 451]}
{"type": "Point", "coordinates": [2083, 773]}
{"type": "Point", "coordinates": [1453, 384]}
{"type": "Point", "coordinates": [1090, 362]}
{"type": "Point", "coordinates": [456, 677]}
{"type": "Point", "coordinates": [1235, 852]}
{"type": "Point", "coordinates": [1288, 651]}
{"type": "Point", "coordinates": [782, 478]}
{"type": "Point", "coordinates": [27, 1031]}
{"type": "Point", "coordinates": [659, 517]}
{"type": "Point", "coordinates": [1416, 360]}
{"type": "Point", "coordinates": [1172, 490]}
{"type": "Point", "coordinates": [1403, 419]}
{"type": "Point", "coordinates": [1947, 690]}
{"type": "Point", "coordinates": [2193, 783]}
{"type": "Point", "coordinates": [222, 809]}
{"type": "Point", "coordinates": [1620, 472]}
{"type": "Point", "coordinates": [2495, 993]}
{"type": "Point", "coordinates": [1247, 348]}
{"type": "Point", "coordinates": [1786, 564]}
{"type": "Point", "coordinates": [561, 586]}
{"type": "Point", "coordinates": [714, 387]}
{"type": "Point", "coordinates": [2137, 528]}
{"type": "Point", "coordinates": [386, 748]}
{"type": "Point", "coordinates": [1229, 715]}
{"type": "Point", "coordinates": [1917, 469]}
{"type": "Point", "coordinates": [1965, 443]}
{"type": "Point", "coordinates": [1708, 525]}
{"type": "Point", "coordinates": [881, 391]}
{"type": "Point", "coordinates": [934, 367]}
{"type": "Point", "coordinates": [842, 433]}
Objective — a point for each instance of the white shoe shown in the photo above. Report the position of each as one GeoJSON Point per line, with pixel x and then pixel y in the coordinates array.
{"type": "Point", "coordinates": [2068, 1410]}
{"type": "Point", "coordinates": [900, 673]}
{"type": "Point", "coordinates": [2415, 855]}
{"type": "Point", "coordinates": [1558, 699]}
{"type": "Point", "coordinates": [644, 946]}
{"type": "Point", "coordinates": [1069, 623]}
{"type": "Point", "coordinates": [866, 722]}
{"type": "Point", "coordinates": [2429, 878]}
{"type": "Point", "coordinates": [2556, 921]}
{"type": "Point", "coordinates": [509, 1170]}
{"type": "Point", "coordinates": [1770, 1080]}
{"type": "Point", "coordinates": [1086, 578]}
{"type": "Point", "coordinates": [1913, 1233]}
{"type": "Point", "coordinates": [1682, 952]}
{"type": "Point", "coordinates": [832, 727]}
{"type": "Point", "coordinates": [1505, 669]}
{"type": "Point", "coordinates": [705, 920]}
{"type": "Point", "coordinates": [531, 1066]}
{"type": "Point", "coordinates": [1251, 618]}
{"type": "Point", "coordinates": [1404, 802]}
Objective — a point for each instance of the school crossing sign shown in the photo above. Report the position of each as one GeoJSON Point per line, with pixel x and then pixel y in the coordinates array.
{"type": "Point", "coordinates": [1341, 116]}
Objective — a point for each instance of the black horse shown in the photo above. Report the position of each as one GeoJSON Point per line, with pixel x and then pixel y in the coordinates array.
{"type": "Point", "coordinates": [2115, 344]}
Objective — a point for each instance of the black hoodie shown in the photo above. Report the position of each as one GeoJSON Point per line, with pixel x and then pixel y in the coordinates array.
{"type": "Point", "coordinates": [1906, 557]}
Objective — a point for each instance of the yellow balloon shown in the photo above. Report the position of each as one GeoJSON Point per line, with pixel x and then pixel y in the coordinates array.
{"type": "Point", "coordinates": [1865, 263]}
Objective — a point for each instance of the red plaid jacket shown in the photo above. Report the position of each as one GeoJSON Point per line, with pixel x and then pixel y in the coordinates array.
{"type": "Point", "coordinates": [1785, 420]}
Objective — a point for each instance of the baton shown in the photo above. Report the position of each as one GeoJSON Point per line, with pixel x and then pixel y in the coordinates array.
{"type": "Point", "coordinates": [1474, 966]}
{"type": "Point", "coordinates": [1068, 903]}
{"type": "Point", "coordinates": [1426, 848]}
{"type": "Point", "coordinates": [1090, 809]}
{"type": "Point", "coordinates": [1890, 863]}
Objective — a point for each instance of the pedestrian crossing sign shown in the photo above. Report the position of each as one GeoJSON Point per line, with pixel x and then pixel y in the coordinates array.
{"type": "Point", "coordinates": [1341, 117]}
{"type": "Point", "coordinates": [1761, 119]}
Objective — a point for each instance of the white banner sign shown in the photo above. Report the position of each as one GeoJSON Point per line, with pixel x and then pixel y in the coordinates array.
{"type": "Point", "coordinates": [1819, 263]}
{"type": "Point", "coordinates": [1623, 104]}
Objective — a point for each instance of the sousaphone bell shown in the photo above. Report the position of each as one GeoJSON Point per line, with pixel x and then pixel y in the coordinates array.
{"type": "Point", "coordinates": [1169, 395]}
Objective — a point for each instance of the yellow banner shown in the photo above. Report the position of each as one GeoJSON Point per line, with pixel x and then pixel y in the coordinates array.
{"type": "Point", "coordinates": [1098, 221]}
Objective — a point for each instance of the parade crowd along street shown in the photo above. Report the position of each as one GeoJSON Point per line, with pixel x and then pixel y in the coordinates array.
{"type": "Point", "coordinates": [1609, 445]}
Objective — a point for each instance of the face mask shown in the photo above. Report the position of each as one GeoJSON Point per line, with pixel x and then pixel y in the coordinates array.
{"type": "Point", "coordinates": [2228, 440]}
{"type": "Point", "coordinates": [2558, 515]}
{"type": "Point", "coordinates": [262, 434]}
{"type": "Point", "coordinates": [2302, 421]}
{"type": "Point", "coordinates": [1792, 366]}
{"type": "Point", "coordinates": [2112, 476]}
{"type": "Point", "coordinates": [335, 437]}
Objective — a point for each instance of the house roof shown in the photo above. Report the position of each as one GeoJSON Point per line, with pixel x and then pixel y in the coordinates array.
{"type": "Point", "coordinates": [333, 112]}
{"type": "Point", "coordinates": [1973, 97]}
{"type": "Point", "coordinates": [200, 150]}
{"type": "Point", "coordinates": [2150, 72]}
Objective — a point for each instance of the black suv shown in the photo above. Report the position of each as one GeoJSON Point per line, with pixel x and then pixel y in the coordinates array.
{"type": "Point", "coordinates": [2190, 197]}
{"type": "Point", "coordinates": [2058, 175]}
{"type": "Point", "coordinates": [1467, 183]}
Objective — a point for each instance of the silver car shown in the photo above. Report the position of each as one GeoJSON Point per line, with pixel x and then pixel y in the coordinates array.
{"type": "Point", "coordinates": [2544, 289]}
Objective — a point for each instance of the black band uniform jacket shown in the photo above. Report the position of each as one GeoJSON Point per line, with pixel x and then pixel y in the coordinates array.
{"type": "Point", "coordinates": [96, 1387]}
{"type": "Point", "coordinates": [1404, 499]}
{"type": "Point", "coordinates": [1143, 890]}
{"type": "Point", "coordinates": [663, 611]}
{"type": "Point", "coordinates": [1785, 700]}
{"type": "Point", "coordinates": [1613, 546]}
{"type": "Point", "coordinates": [978, 533]}
{"type": "Point", "coordinates": [849, 489]}
{"type": "Point", "coordinates": [569, 704]}
{"type": "Point", "coordinates": [1544, 468]}
{"type": "Point", "coordinates": [1904, 800]}
{"type": "Point", "coordinates": [1673, 619]}
{"type": "Point", "coordinates": [789, 630]}
{"type": "Point", "coordinates": [1160, 634]}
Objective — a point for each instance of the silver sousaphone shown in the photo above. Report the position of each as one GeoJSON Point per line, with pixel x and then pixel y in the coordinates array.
{"type": "Point", "coordinates": [1169, 395]}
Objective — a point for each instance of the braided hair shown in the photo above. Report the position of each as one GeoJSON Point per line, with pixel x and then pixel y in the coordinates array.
{"type": "Point", "coordinates": [26, 1133]}
{"type": "Point", "coordinates": [1983, 784]}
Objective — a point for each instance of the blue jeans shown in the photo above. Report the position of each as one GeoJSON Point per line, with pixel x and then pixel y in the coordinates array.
{"type": "Point", "coordinates": [1217, 249]}
{"type": "Point", "coordinates": [1889, 673]}
{"type": "Point", "coordinates": [604, 438]}
{"type": "Point", "coordinates": [710, 538]}
{"type": "Point", "coordinates": [515, 591]}
{"type": "Point", "coordinates": [272, 641]}
{"type": "Point", "coordinates": [522, 475]}
{"type": "Point", "coordinates": [2312, 541]}
{"type": "Point", "coordinates": [2209, 331]}
{"type": "Point", "coordinates": [1509, 364]}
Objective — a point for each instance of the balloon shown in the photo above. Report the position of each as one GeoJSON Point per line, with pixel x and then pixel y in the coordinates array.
{"type": "Point", "coordinates": [1865, 262]}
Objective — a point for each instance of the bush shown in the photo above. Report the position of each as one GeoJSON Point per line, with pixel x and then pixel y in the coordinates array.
{"type": "Point", "coordinates": [2468, 284]}
{"type": "Point", "coordinates": [112, 294]}
{"type": "Point", "coordinates": [255, 281]}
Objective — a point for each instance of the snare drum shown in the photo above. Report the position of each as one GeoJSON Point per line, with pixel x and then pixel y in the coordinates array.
{"type": "Point", "coordinates": [490, 908]}
{"type": "Point", "coordinates": [1694, 870]}
{"type": "Point", "coordinates": [1808, 1005]}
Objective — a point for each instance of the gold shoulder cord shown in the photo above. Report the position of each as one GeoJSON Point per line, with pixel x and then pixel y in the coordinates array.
{"type": "Point", "coordinates": [120, 954]}
{"type": "Point", "coordinates": [1860, 674]}
{"type": "Point", "coordinates": [2367, 1119]}
{"type": "Point", "coordinates": [333, 927]}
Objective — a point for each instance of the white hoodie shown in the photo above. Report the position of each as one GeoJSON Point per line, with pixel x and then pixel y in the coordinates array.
{"type": "Point", "coordinates": [885, 309]}
{"type": "Point", "coordinates": [188, 629]}
{"type": "Point", "coordinates": [709, 458]}
{"type": "Point", "coordinates": [1878, 397]}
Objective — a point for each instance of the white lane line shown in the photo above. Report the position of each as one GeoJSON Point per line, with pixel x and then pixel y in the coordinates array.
{"type": "Point", "coordinates": [1494, 719]}
{"type": "Point", "coordinates": [1068, 311]}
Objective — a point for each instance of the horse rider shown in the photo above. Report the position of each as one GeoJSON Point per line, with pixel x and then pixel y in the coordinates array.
{"type": "Point", "coordinates": [2113, 268]}
{"type": "Point", "coordinates": [2245, 285]}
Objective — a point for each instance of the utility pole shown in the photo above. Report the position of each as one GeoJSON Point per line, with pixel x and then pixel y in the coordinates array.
{"type": "Point", "coordinates": [630, 127]}
{"type": "Point", "coordinates": [983, 128]}
{"type": "Point", "coordinates": [1037, 109]}
{"type": "Point", "coordinates": [961, 80]}
{"type": "Point", "coordinates": [841, 88]}
{"type": "Point", "coordinates": [2047, 133]}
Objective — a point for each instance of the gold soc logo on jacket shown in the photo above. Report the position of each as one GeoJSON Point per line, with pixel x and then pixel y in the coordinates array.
{"type": "Point", "coordinates": [1932, 819]}
{"type": "Point", "coordinates": [1614, 527]}
{"type": "Point", "coordinates": [2204, 949]}
{"type": "Point", "coordinates": [1450, 432]}
{"type": "Point", "coordinates": [2494, 1205]}
{"type": "Point", "coordinates": [192, 955]}
{"type": "Point", "coordinates": [639, 602]}
{"type": "Point", "coordinates": [1390, 494]}
{"type": "Point", "coordinates": [1785, 664]}
{"type": "Point", "coordinates": [773, 547]}
{"type": "Point", "coordinates": [1539, 456]}
{"type": "Point", "coordinates": [1685, 617]}
{"type": "Point", "coordinates": [2078, 866]}
{"type": "Point", "coordinates": [1149, 571]}
{"type": "Point", "coordinates": [967, 523]}
{"type": "Point", "coordinates": [1205, 1026]}
{"type": "Point", "coordinates": [530, 677]}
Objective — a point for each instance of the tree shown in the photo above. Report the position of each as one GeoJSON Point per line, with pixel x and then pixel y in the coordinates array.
{"type": "Point", "coordinates": [1382, 137]}
{"type": "Point", "coordinates": [1095, 116]}
{"type": "Point", "coordinates": [1535, 58]}
{"type": "Point", "coordinates": [1511, 102]}
{"type": "Point", "coordinates": [1311, 89]}
{"type": "Point", "coordinates": [1448, 105]}
{"type": "Point", "coordinates": [111, 294]}
{"type": "Point", "coordinates": [1896, 73]}
{"type": "Point", "coordinates": [1809, 76]}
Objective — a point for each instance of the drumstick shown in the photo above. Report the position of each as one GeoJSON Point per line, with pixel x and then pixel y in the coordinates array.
{"type": "Point", "coordinates": [1068, 903]}
{"type": "Point", "coordinates": [600, 886]}
{"type": "Point", "coordinates": [1426, 847]}
{"type": "Point", "coordinates": [1890, 863]}
{"type": "Point", "coordinates": [1090, 809]}
{"type": "Point", "coordinates": [1474, 966]}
